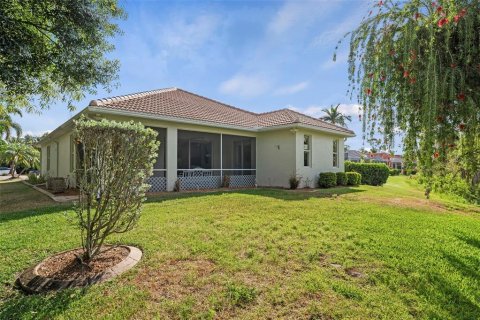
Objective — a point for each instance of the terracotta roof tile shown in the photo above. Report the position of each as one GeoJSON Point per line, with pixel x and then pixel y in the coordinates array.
{"type": "Point", "coordinates": [178, 103]}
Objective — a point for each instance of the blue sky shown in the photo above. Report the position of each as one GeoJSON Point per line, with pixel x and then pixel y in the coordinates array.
{"type": "Point", "coordinates": [256, 55]}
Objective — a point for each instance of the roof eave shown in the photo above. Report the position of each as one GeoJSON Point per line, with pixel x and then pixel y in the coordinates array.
{"type": "Point", "coordinates": [143, 115]}
{"type": "Point", "coordinates": [349, 134]}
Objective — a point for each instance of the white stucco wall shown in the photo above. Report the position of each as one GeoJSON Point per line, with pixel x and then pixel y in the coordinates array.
{"type": "Point", "coordinates": [279, 153]}
{"type": "Point", "coordinates": [275, 157]}
{"type": "Point", "coordinates": [321, 155]}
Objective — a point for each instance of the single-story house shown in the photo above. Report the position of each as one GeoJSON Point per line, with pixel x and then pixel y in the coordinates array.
{"type": "Point", "coordinates": [203, 140]}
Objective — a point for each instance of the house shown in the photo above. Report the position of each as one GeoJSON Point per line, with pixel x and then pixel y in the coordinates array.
{"type": "Point", "coordinates": [353, 155]}
{"type": "Point", "coordinates": [203, 140]}
{"type": "Point", "coordinates": [392, 161]}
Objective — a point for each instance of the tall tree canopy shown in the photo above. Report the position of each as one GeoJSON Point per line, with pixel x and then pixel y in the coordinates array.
{"type": "Point", "coordinates": [334, 116]}
{"type": "Point", "coordinates": [415, 66]}
{"type": "Point", "coordinates": [55, 49]}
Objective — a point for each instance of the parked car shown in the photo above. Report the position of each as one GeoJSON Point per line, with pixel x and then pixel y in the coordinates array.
{"type": "Point", "coordinates": [4, 171]}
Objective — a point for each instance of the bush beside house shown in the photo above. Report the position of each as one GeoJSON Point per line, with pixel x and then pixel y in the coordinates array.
{"type": "Point", "coordinates": [342, 179]}
{"type": "Point", "coordinates": [353, 178]}
{"type": "Point", "coordinates": [327, 180]}
{"type": "Point", "coordinates": [374, 174]}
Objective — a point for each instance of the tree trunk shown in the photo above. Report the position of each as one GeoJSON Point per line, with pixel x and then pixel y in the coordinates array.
{"type": "Point", "coordinates": [12, 169]}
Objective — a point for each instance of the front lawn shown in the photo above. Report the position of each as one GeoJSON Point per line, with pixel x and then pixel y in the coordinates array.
{"type": "Point", "coordinates": [358, 253]}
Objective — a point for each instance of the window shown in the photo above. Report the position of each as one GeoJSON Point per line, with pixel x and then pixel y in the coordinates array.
{"type": "Point", "coordinates": [335, 153]}
{"type": "Point", "coordinates": [307, 148]}
{"type": "Point", "coordinates": [72, 153]}
{"type": "Point", "coordinates": [48, 158]}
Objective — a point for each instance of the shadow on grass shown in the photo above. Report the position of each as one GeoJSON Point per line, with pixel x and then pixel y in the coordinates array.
{"type": "Point", "coordinates": [40, 306]}
{"type": "Point", "coordinates": [4, 217]}
{"type": "Point", "coordinates": [281, 194]}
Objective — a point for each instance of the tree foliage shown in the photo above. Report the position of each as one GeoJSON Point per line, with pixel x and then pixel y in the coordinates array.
{"type": "Point", "coordinates": [116, 158]}
{"type": "Point", "coordinates": [55, 49]}
{"type": "Point", "coordinates": [334, 116]}
{"type": "Point", "coordinates": [415, 66]}
{"type": "Point", "coordinates": [7, 124]}
{"type": "Point", "coordinates": [19, 153]}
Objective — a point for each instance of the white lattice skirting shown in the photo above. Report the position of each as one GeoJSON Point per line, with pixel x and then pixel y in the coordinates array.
{"type": "Point", "coordinates": [198, 183]}
{"type": "Point", "coordinates": [242, 181]}
{"type": "Point", "coordinates": [158, 184]}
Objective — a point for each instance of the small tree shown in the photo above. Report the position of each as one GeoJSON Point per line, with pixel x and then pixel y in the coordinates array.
{"type": "Point", "coordinates": [17, 153]}
{"type": "Point", "coordinates": [116, 158]}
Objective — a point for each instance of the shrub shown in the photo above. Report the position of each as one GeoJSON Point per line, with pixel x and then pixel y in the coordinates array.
{"type": "Point", "coordinates": [294, 181]}
{"type": "Point", "coordinates": [374, 174]}
{"type": "Point", "coordinates": [394, 172]}
{"type": "Point", "coordinates": [327, 179]}
{"type": "Point", "coordinates": [342, 179]}
{"type": "Point", "coordinates": [36, 179]}
{"type": "Point", "coordinates": [116, 159]}
{"type": "Point", "coordinates": [353, 178]}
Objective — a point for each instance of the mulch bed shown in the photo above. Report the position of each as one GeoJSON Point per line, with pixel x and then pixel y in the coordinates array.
{"type": "Point", "coordinates": [65, 266]}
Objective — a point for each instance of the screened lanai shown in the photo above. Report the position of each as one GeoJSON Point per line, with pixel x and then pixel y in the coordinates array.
{"type": "Point", "coordinates": [204, 159]}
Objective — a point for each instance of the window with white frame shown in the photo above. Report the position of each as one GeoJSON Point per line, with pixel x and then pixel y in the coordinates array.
{"type": "Point", "coordinates": [335, 153]}
{"type": "Point", "coordinates": [307, 150]}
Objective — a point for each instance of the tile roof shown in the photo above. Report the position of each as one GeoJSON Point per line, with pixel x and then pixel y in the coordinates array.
{"type": "Point", "coordinates": [178, 103]}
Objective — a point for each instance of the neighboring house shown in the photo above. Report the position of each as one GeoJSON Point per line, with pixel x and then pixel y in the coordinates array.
{"type": "Point", "coordinates": [353, 155]}
{"type": "Point", "coordinates": [203, 140]}
{"type": "Point", "coordinates": [392, 161]}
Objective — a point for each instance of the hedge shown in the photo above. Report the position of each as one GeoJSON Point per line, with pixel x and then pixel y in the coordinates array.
{"type": "Point", "coordinates": [395, 172]}
{"type": "Point", "coordinates": [327, 180]}
{"type": "Point", "coordinates": [341, 179]}
{"type": "Point", "coordinates": [353, 178]}
{"type": "Point", "coordinates": [374, 174]}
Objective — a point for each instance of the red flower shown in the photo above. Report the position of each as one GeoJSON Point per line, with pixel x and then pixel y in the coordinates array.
{"type": "Point", "coordinates": [439, 9]}
{"type": "Point", "coordinates": [436, 155]}
{"type": "Point", "coordinates": [461, 96]}
{"type": "Point", "coordinates": [434, 4]}
{"type": "Point", "coordinates": [442, 22]}
{"type": "Point", "coordinates": [406, 74]}
{"type": "Point", "coordinates": [456, 18]}
{"type": "Point", "coordinates": [413, 80]}
{"type": "Point", "coordinates": [453, 66]}
{"type": "Point", "coordinates": [368, 91]}
{"type": "Point", "coordinates": [461, 126]}
{"type": "Point", "coordinates": [417, 15]}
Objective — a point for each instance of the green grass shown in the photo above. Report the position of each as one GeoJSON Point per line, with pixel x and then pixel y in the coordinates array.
{"type": "Point", "coordinates": [266, 253]}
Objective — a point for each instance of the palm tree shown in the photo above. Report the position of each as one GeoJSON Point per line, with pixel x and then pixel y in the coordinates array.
{"type": "Point", "coordinates": [335, 117]}
{"type": "Point", "coordinates": [7, 125]}
{"type": "Point", "coordinates": [19, 153]}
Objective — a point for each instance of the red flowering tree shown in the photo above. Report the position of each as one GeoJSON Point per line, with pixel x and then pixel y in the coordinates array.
{"type": "Point", "coordinates": [415, 66]}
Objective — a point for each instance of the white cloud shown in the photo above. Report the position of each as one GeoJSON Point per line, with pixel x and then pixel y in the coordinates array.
{"type": "Point", "coordinates": [295, 13]}
{"type": "Point", "coordinates": [292, 89]}
{"type": "Point", "coordinates": [184, 36]}
{"type": "Point", "coordinates": [245, 85]}
{"type": "Point", "coordinates": [338, 30]}
{"type": "Point", "coordinates": [35, 133]}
